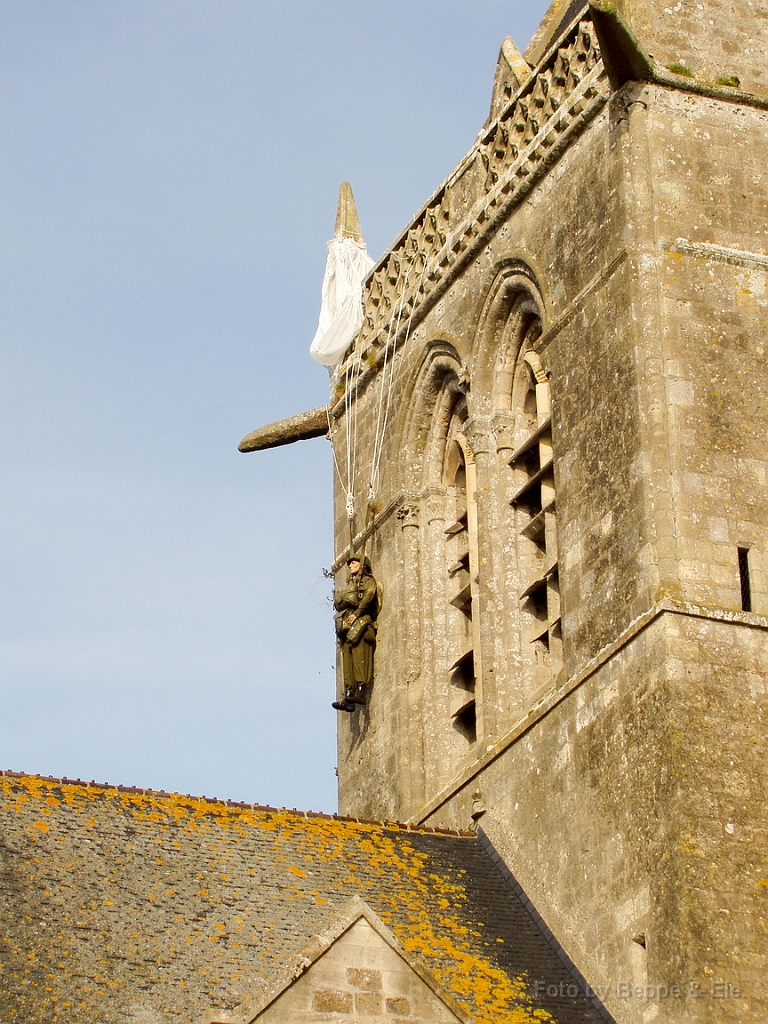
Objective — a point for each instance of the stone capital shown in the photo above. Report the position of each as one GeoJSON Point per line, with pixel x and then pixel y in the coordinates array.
{"type": "Point", "coordinates": [479, 434]}
{"type": "Point", "coordinates": [503, 429]}
{"type": "Point", "coordinates": [408, 512]}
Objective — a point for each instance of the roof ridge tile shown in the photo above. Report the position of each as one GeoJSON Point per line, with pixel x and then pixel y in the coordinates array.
{"type": "Point", "coordinates": [307, 815]}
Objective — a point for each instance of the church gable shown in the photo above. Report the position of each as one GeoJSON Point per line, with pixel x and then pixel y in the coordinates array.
{"type": "Point", "coordinates": [357, 970]}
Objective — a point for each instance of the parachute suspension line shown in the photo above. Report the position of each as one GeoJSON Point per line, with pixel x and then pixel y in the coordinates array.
{"type": "Point", "coordinates": [333, 451]}
{"type": "Point", "coordinates": [351, 423]}
{"type": "Point", "coordinates": [346, 482]}
{"type": "Point", "coordinates": [349, 500]}
{"type": "Point", "coordinates": [355, 411]}
{"type": "Point", "coordinates": [368, 523]}
{"type": "Point", "coordinates": [378, 442]}
{"type": "Point", "coordinates": [350, 380]}
{"type": "Point", "coordinates": [348, 429]}
{"type": "Point", "coordinates": [352, 375]}
{"type": "Point", "coordinates": [382, 433]}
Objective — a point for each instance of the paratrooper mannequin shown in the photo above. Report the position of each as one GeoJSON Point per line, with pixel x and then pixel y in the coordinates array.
{"type": "Point", "coordinates": [356, 605]}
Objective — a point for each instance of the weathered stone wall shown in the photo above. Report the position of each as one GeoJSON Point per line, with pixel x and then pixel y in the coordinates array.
{"type": "Point", "coordinates": [661, 416]}
{"type": "Point", "coordinates": [363, 980]}
{"type": "Point", "coordinates": [612, 778]}
{"type": "Point", "coordinates": [389, 764]}
{"type": "Point", "coordinates": [708, 224]}
{"type": "Point", "coordinates": [714, 41]}
{"type": "Point", "coordinates": [635, 807]}
{"type": "Point", "coordinates": [601, 499]}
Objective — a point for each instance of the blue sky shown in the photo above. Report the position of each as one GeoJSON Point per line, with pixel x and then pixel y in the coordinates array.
{"type": "Point", "coordinates": [168, 181]}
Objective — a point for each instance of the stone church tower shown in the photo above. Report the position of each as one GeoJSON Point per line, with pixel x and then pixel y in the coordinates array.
{"type": "Point", "coordinates": [550, 438]}
{"type": "Point", "coordinates": [556, 416]}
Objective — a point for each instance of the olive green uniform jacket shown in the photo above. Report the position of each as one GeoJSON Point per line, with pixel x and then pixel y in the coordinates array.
{"type": "Point", "coordinates": [357, 640]}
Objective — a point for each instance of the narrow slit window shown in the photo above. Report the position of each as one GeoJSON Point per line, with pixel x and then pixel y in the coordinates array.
{"type": "Point", "coordinates": [746, 586]}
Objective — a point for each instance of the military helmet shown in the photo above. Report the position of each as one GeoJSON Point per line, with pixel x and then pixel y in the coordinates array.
{"type": "Point", "coordinates": [364, 561]}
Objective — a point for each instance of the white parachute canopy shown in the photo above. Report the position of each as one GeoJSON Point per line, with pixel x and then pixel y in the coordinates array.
{"type": "Point", "coordinates": [341, 311]}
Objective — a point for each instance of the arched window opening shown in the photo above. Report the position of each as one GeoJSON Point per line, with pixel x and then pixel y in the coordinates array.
{"type": "Point", "coordinates": [534, 502]}
{"type": "Point", "coordinates": [448, 660]}
{"type": "Point", "coordinates": [507, 366]}
{"type": "Point", "coordinates": [460, 544]}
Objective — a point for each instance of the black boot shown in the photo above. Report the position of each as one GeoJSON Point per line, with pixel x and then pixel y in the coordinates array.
{"type": "Point", "coordinates": [343, 705]}
{"type": "Point", "coordinates": [358, 697]}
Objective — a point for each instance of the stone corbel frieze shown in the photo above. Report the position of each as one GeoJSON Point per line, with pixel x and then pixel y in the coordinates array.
{"type": "Point", "coordinates": [564, 93]}
{"type": "Point", "coordinates": [587, 62]}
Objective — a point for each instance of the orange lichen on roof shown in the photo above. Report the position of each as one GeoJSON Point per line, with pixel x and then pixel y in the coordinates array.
{"type": "Point", "coordinates": [414, 878]}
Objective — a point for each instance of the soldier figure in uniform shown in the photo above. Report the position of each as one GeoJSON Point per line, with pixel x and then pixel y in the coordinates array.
{"type": "Point", "coordinates": [356, 605]}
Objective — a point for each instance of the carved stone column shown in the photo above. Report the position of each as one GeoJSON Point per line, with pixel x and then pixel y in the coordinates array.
{"type": "Point", "coordinates": [481, 441]}
{"type": "Point", "coordinates": [412, 697]}
{"type": "Point", "coordinates": [434, 655]}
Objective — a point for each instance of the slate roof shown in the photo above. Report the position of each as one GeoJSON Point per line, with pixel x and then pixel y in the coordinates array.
{"type": "Point", "coordinates": [131, 905]}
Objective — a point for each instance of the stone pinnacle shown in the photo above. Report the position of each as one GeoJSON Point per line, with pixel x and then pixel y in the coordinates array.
{"type": "Point", "coordinates": [347, 221]}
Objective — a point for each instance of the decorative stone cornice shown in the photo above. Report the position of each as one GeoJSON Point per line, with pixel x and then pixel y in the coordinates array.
{"type": "Point", "coordinates": [717, 253]}
{"type": "Point", "coordinates": [564, 94]}
{"type": "Point", "coordinates": [567, 89]}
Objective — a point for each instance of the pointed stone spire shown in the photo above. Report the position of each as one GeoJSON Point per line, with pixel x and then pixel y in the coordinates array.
{"type": "Point", "coordinates": [341, 309]}
{"type": "Point", "coordinates": [512, 72]}
{"type": "Point", "coordinates": [347, 221]}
